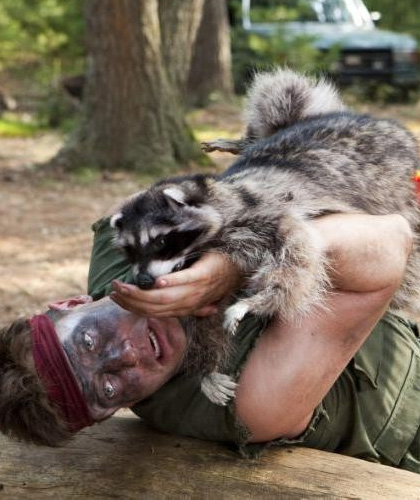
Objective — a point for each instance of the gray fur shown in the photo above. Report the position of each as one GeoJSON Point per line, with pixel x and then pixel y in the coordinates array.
{"type": "Point", "coordinates": [304, 156]}
{"type": "Point", "coordinates": [283, 97]}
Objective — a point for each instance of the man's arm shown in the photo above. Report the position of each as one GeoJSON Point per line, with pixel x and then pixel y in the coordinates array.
{"type": "Point", "coordinates": [293, 366]}
{"type": "Point", "coordinates": [365, 252]}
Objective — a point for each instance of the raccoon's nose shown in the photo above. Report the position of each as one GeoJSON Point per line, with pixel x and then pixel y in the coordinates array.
{"type": "Point", "coordinates": [145, 281]}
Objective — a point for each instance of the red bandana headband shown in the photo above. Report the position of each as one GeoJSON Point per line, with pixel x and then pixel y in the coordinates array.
{"type": "Point", "coordinates": [53, 368]}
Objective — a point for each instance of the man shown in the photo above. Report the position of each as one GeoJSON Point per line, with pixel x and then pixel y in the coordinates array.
{"type": "Point", "coordinates": [309, 383]}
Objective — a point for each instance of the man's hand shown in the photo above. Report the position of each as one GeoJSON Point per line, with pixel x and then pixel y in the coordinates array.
{"type": "Point", "coordinates": [195, 290]}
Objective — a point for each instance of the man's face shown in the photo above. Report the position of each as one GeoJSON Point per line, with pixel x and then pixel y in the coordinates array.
{"type": "Point", "coordinates": [119, 358]}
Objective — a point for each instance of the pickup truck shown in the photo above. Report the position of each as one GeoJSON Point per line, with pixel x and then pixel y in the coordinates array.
{"type": "Point", "coordinates": [364, 51]}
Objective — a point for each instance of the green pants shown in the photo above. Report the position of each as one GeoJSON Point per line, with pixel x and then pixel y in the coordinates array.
{"type": "Point", "coordinates": [371, 412]}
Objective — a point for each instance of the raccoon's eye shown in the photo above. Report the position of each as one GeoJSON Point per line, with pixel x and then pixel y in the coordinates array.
{"type": "Point", "coordinates": [159, 242]}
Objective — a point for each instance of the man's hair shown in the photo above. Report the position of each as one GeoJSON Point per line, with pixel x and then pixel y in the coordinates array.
{"type": "Point", "coordinates": [26, 413]}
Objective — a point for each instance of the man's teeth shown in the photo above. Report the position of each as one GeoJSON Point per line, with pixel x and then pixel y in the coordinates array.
{"type": "Point", "coordinates": [155, 343]}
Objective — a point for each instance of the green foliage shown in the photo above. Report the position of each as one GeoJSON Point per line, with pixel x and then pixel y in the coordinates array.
{"type": "Point", "coordinates": [34, 28]}
{"type": "Point", "coordinates": [403, 16]}
{"type": "Point", "coordinates": [14, 127]}
{"type": "Point", "coordinates": [380, 93]}
{"type": "Point", "coordinates": [40, 41]}
{"type": "Point", "coordinates": [284, 11]}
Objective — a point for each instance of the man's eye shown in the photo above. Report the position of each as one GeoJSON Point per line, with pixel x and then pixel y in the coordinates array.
{"type": "Point", "coordinates": [88, 340]}
{"type": "Point", "coordinates": [109, 390]}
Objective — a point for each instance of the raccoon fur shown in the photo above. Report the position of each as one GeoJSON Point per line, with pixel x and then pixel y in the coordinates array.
{"type": "Point", "coordinates": [304, 155]}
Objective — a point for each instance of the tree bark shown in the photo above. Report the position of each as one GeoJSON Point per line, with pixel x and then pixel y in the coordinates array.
{"type": "Point", "coordinates": [132, 118]}
{"type": "Point", "coordinates": [180, 21]}
{"type": "Point", "coordinates": [211, 66]}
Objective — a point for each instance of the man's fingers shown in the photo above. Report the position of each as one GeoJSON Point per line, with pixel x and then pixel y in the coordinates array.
{"type": "Point", "coordinates": [189, 291]}
{"type": "Point", "coordinates": [187, 295]}
{"type": "Point", "coordinates": [133, 292]}
{"type": "Point", "coordinates": [170, 309]}
{"type": "Point", "coordinates": [201, 271]}
{"type": "Point", "coordinates": [152, 311]}
{"type": "Point", "coordinates": [139, 308]}
{"type": "Point", "coordinates": [166, 306]}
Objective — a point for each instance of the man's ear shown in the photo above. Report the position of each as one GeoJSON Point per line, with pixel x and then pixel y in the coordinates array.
{"type": "Point", "coordinates": [70, 303]}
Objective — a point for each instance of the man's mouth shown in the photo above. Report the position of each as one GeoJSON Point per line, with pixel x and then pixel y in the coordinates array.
{"type": "Point", "coordinates": [155, 344]}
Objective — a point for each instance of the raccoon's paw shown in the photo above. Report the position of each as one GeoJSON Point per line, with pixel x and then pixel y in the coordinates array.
{"type": "Point", "coordinates": [219, 388]}
{"type": "Point", "coordinates": [233, 316]}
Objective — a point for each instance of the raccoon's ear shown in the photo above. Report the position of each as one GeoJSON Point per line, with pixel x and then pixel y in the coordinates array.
{"type": "Point", "coordinates": [175, 197]}
{"type": "Point", "coordinates": [116, 221]}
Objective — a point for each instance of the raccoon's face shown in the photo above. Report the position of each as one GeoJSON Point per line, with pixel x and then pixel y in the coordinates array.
{"type": "Point", "coordinates": [163, 230]}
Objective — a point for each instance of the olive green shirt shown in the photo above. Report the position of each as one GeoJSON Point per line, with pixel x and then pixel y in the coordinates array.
{"type": "Point", "coordinates": [372, 411]}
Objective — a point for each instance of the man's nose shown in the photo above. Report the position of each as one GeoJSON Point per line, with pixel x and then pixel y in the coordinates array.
{"type": "Point", "coordinates": [125, 356]}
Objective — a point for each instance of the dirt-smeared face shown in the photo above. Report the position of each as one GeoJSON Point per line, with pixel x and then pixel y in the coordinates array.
{"type": "Point", "coordinates": [119, 358]}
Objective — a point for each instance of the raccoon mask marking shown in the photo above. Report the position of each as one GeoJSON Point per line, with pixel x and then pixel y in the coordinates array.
{"type": "Point", "coordinates": [164, 230]}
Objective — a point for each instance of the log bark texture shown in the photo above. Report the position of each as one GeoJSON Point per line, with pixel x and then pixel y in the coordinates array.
{"type": "Point", "coordinates": [122, 458]}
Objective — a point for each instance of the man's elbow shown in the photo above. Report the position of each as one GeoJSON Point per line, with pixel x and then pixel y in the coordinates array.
{"type": "Point", "coordinates": [407, 235]}
{"type": "Point", "coordinates": [402, 245]}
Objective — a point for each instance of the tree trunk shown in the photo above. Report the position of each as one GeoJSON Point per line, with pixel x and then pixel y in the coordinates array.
{"type": "Point", "coordinates": [132, 117]}
{"type": "Point", "coordinates": [179, 20]}
{"type": "Point", "coordinates": [211, 66]}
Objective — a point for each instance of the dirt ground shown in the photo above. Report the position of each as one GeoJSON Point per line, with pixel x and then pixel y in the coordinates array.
{"type": "Point", "coordinates": [45, 222]}
{"type": "Point", "coordinates": [45, 242]}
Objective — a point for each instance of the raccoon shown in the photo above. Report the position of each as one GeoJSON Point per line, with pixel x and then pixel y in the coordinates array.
{"type": "Point", "coordinates": [304, 155]}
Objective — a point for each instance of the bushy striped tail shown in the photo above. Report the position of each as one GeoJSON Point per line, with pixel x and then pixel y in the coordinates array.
{"type": "Point", "coordinates": [280, 98]}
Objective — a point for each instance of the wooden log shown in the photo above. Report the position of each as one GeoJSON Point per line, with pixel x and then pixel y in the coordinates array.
{"type": "Point", "coordinates": [122, 458]}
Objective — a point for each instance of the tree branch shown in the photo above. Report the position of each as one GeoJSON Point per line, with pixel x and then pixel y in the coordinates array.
{"type": "Point", "coordinates": [234, 146]}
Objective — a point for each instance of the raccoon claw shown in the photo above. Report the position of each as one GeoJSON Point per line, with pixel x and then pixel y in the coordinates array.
{"type": "Point", "coordinates": [233, 316]}
{"type": "Point", "coordinates": [218, 388]}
